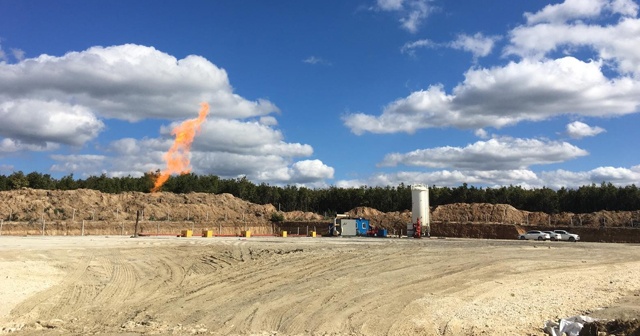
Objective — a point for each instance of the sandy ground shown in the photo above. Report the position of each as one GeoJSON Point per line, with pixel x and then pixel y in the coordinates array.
{"type": "Point", "coordinates": [307, 286]}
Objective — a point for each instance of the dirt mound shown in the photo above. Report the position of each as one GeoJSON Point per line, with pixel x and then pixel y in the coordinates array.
{"type": "Point", "coordinates": [76, 205]}
{"type": "Point", "coordinates": [485, 213]}
{"type": "Point", "coordinates": [387, 220]}
{"type": "Point", "coordinates": [478, 212]}
{"type": "Point", "coordinates": [295, 216]}
{"type": "Point", "coordinates": [615, 327]}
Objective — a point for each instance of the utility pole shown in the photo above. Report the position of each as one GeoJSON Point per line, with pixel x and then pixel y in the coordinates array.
{"type": "Point", "coordinates": [135, 233]}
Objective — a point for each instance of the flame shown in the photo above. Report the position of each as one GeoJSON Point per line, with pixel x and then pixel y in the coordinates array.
{"type": "Point", "coordinates": [178, 155]}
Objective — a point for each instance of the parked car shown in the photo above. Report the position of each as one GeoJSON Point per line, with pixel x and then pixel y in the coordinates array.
{"type": "Point", "coordinates": [564, 235]}
{"type": "Point", "coordinates": [554, 236]}
{"type": "Point", "coordinates": [535, 235]}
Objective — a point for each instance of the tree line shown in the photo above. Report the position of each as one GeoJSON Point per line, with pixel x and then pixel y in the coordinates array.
{"type": "Point", "coordinates": [331, 200]}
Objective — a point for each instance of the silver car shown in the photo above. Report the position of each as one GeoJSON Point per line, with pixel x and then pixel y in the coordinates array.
{"type": "Point", "coordinates": [564, 235]}
{"type": "Point", "coordinates": [534, 235]}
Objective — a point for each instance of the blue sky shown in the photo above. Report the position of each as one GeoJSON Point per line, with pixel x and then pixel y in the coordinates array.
{"type": "Point", "coordinates": [321, 93]}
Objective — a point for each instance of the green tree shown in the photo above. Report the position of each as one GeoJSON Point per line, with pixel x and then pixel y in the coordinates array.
{"type": "Point", "coordinates": [277, 217]}
{"type": "Point", "coordinates": [67, 183]}
{"type": "Point", "coordinates": [4, 183]}
{"type": "Point", "coordinates": [40, 181]}
{"type": "Point", "coordinates": [18, 180]}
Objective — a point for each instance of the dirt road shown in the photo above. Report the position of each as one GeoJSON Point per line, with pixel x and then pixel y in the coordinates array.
{"type": "Point", "coordinates": [302, 286]}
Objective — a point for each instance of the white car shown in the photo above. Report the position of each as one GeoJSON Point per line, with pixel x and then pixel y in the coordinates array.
{"type": "Point", "coordinates": [535, 235]}
{"type": "Point", "coordinates": [553, 235]}
{"type": "Point", "coordinates": [564, 235]}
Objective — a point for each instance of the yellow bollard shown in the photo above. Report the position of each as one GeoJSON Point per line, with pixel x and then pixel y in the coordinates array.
{"type": "Point", "coordinates": [207, 233]}
{"type": "Point", "coordinates": [284, 234]}
{"type": "Point", "coordinates": [313, 234]}
{"type": "Point", "coordinates": [246, 234]}
{"type": "Point", "coordinates": [187, 233]}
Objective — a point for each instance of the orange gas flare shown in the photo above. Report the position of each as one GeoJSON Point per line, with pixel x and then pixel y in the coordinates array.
{"type": "Point", "coordinates": [178, 155]}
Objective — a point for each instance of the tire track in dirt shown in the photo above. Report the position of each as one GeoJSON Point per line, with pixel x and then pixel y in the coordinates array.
{"type": "Point", "coordinates": [84, 289]}
{"type": "Point", "coordinates": [293, 287]}
{"type": "Point", "coordinates": [281, 313]}
{"type": "Point", "coordinates": [117, 292]}
{"type": "Point", "coordinates": [33, 305]}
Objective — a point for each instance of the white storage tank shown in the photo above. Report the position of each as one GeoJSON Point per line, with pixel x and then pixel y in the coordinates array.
{"type": "Point", "coordinates": [420, 206]}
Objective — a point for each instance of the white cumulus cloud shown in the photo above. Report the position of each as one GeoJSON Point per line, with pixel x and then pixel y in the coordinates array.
{"type": "Point", "coordinates": [567, 10]}
{"type": "Point", "coordinates": [9, 146]}
{"type": "Point", "coordinates": [450, 178]}
{"type": "Point", "coordinates": [478, 44]}
{"type": "Point", "coordinates": [50, 101]}
{"type": "Point", "coordinates": [130, 82]}
{"type": "Point", "coordinates": [500, 96]}
{"type": "Point", "coordinates": [618, 176]}
{"type": "Point", "coordinates": [481, 133]}
{"type": "Point", "coordinates": [615, 43]}
{"type": "Point", "coordinates": [503, 153]}
{"type": "Point", "coordinates": [556, 179]}
{"type": "Point", "coordinates": [412, 12]}
{"type": "Point", "coordinates": [537, 86]}
{"type": "Point", "coordinates": [310, 171]}
{"type": "Point", "coordinates": [225, 148]}
{"type": "Point", "coordinates": [45, 123]}
{"type": "Point", "coordinates": [579, 130]}
{"type": "Point", "coordinates": [81, 162]}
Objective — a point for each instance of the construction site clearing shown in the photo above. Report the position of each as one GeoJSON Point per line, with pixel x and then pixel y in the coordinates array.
{"type": "Point", "coordinates": [57, 285]}
{"type": "Point", "coordinates": [214, 264]}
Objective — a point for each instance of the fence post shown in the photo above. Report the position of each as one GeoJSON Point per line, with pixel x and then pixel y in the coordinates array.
{"type": "Point", "coordinates": [122, 229]}
{"type": "Point", "coordinates": [82, 231]}
{"type": "Point", "coordinates": [42, 217]}
{"type": "Point", "coordinates": [2, 222]}
{"type": "Point", "coordinates": [158, 228]}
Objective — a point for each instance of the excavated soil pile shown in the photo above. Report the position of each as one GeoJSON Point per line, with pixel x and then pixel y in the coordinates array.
{"type": "Point", "coordinates": [74, 212]}
{"type": "Point", "coordinates": [615, 327]}
{"type": "Point", "coordinates": [485, 213]}
{"type": "Point", "coordinates": [83, 204]}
